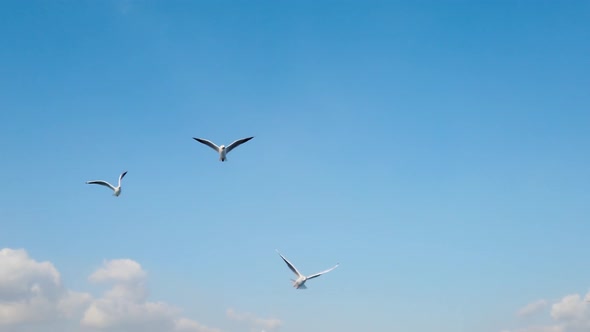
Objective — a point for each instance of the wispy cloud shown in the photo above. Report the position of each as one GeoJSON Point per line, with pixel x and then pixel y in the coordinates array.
{"type": "Point", "coordinates": [554, 328]}
{"type": "Point", "coordinates": [187, 325]}
{"type": "Point", "coordinates": [253, 321]}
{"type": "Point", "coordinates": [532, 308]}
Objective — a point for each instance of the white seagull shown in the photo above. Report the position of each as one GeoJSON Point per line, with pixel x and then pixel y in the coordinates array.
{"type": "Point", "coordinates": [117, 189]}
{"type": "Point", "coordinates": [223, 150]}
{"type": "Point", "coordinates": [301, 279]}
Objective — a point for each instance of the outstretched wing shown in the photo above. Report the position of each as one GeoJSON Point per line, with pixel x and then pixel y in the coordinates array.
{"type": "Point", "coordinates": [237, 143]}
{"type": "Point", "coordinates": [121, 177]}
{"type": "Point", "coordinates": [208, 143]}
{"type": "Point", "coordinates": [320, 273]}
{"type": "Point", "coordinates": [290, 265]}
{"type": "Point", "coordinates": [102, 183]}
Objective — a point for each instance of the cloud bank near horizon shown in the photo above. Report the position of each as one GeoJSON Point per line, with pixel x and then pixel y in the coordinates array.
{"type": "Point", "coordinates": [34, 298]}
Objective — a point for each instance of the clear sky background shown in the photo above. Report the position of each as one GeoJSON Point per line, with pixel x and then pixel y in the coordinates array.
{"type": "Point", "coordinates": [438, 150]}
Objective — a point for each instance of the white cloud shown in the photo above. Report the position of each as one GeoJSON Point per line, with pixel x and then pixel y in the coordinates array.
{"type": "Point", "coordinates": [532, 308]}
{"type": "Point", "coordinates": [119, 270]}
{"type": "Point", "coordinates": [554, 328]}
{"type": "Point", "coordinates": [31, 292]}
{"type": "Point", "coordinates": [113, 313]}
{"type": "Point", "coordinates": [19, 273]}
{"type": "Point", "coordinates": [72, 304]}
{"type": "Point", "coordinates": [253, 321]}
{"type": "Point", "coordinates": [187, 325]}
{"type": "Point", "coordinates": [570, 314]}
{"type": "Point", "coordinates": [574, 313]}
{"type": "Point", "coordinates": [125, 305]}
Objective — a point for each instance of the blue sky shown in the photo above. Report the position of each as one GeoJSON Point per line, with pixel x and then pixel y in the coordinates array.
{"type": "Point", "coordinates": [437, 149]}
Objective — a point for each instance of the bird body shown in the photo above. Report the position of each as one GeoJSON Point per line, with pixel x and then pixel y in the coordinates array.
{"type": "Point", "coordinates": [116, 190]}
{"type": "Point", "coordinates": [222, 149]}
{"type": "Point", "coordinates": [299, 283]}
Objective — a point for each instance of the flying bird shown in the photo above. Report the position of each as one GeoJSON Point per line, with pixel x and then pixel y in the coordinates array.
{"type": "Point", "coordinates": [299, 283]}
{"type": "Point", "coordinates": [117, 189]}
{"type": "Point", "coordinates": [223, 150]}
